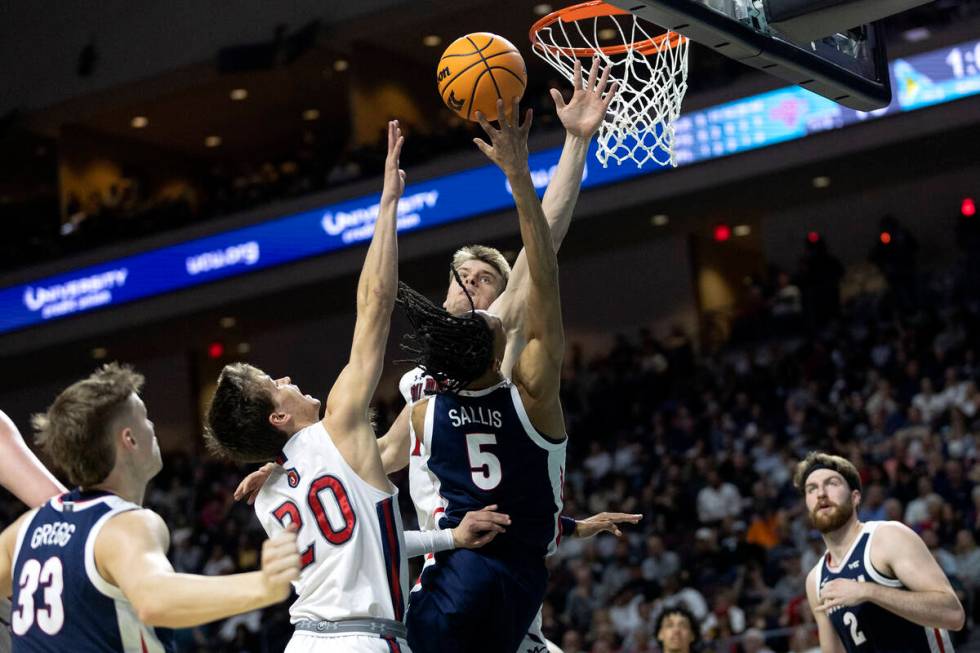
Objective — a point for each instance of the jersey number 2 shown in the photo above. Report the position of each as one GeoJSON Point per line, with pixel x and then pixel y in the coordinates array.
{"type": "Point", "coordinates": [852, 622]}
{"type": "Point", "coordinates": [484, 466]}
{"type": "Point", "coordinates": [50, 617]}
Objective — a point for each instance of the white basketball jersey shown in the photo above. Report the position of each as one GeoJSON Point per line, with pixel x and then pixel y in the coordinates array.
{"type": "Point", "coordinates": [350, 533]}
{"type": "Point", "coordinates": [422, 483]}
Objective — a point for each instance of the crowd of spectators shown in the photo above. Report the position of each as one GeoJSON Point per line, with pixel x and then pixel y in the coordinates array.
{"type": "Point", "coordinates": [704, 448]}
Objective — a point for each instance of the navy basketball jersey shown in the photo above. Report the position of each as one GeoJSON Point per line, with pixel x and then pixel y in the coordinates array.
{"type": "Point", "coordinates": [867, 627]}
{"type": "Point", "coordinates": [60, 601]}
{"type": "Point", "coordinates": [483, 450]}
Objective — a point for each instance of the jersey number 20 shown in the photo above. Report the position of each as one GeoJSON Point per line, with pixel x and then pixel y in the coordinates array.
{"type": "Point", "coordinates": [50, 616]}
{"type": "Point", "coordinates": [331, 534]}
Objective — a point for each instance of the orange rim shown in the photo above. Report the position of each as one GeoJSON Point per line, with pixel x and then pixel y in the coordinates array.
{"type": "Point", "coordinates": [596, 9]}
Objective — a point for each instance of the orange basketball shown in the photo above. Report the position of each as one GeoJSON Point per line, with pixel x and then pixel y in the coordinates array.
{"type": "Point", "coordinates": [478, 68]}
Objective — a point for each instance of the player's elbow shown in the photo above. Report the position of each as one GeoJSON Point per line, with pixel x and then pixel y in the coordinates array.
{"type": "Point", "coordinates": [151, 611]}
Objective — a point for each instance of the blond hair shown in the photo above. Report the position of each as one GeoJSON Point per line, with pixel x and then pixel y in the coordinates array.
{"type": "Point", "coordinates": [76, 429]}
{"type": "Point", "coordinates": [488, 255]}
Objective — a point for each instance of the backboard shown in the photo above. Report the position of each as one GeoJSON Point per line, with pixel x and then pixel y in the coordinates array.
{"type": "Point", "coordinates": [792, 40]}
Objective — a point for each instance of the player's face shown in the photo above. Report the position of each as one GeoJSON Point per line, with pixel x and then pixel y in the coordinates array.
{"type": "Point", "coordinates": [676, 634]}
{"type": "Point", "coordinates": [288, 398]}
{"type": "Point", "coordinates": [829, 500]}
{"type": "Point", "coordinates": [481, 282]}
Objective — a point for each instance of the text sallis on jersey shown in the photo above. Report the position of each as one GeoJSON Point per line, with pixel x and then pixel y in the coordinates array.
{"type": "Point", "coordinates": [58, 533]}
{"type": "Point", "coordinates": [475, 415]}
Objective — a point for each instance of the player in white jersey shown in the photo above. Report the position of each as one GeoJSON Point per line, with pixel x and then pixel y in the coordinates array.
{"type": "Point", "coordinates": [489, 283]}
{"type": "Point", "coordinates": [353, 586]}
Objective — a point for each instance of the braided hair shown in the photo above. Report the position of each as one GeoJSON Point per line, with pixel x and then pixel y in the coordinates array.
{"type": "Point", "coordinates": [454, 350]}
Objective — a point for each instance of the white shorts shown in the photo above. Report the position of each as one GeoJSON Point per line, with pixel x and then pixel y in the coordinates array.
{"type": "Point", "coordinates": [308, 642]}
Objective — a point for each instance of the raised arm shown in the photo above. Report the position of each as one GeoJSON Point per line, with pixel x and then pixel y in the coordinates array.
{"type": "Point", "coordinates": [20, 470]}
{"type": "Point", "coordinates": [130, 553]}
{"type": "Point", "coordinates": [581, 117]}
{"type": "Point", "coordinates": [347, 403]}
{"type": "Point", "coordinates": [538, 370]}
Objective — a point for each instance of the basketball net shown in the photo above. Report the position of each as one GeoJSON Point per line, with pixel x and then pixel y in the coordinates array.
{"type": "Point", "coordinates": [651, 72]}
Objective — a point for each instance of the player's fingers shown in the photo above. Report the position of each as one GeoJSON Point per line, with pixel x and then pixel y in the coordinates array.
{"type": "Point", "coordinates": [487, 127]}
{"type": "Point", "coordinates": [622, 516]}
{"type": "Point", "coordinates": [486, 149]}
{"type": "Point", "coordinates": [490, 508]}
{"type": "Point", "coordinates": [528, 117]}
{"type": "Point", "coordinates": [577, 75]}
{"type": "Point", "coordinates": [557, 99]}
{"type": "Point", "coordinates": [601, 86]}
{"type": "Point", "coordinates": [515, 111]}
{"type": "Point", "coordinates": [502, 117]}
{"type": "Point", "coordinates": [251, 498]}
{"type": "Point", "coordinates": [611, 95]}
{"type": "Point", "coordinates": [592, 74]}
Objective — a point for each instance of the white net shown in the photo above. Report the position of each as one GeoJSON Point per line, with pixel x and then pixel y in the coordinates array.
{"type": "Point", "coordinates": [652, 76]}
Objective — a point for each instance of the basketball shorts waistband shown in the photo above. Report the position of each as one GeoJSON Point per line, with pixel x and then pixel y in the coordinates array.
{"type": "Point", "coordinates": [376, 627]}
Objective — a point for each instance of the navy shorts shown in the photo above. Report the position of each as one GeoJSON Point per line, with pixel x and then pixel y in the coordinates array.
{"type": "Point", "coordinates": [472, 603]}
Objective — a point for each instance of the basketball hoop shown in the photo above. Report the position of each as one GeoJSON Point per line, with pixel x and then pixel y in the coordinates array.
{"type": "Point", "coordinates": [651, 71]}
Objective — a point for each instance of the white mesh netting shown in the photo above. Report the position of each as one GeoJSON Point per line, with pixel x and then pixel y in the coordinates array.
{"type": "Point", "coordinates": [639, 125]}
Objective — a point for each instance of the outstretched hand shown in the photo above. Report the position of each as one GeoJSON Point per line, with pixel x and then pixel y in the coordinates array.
{"type": "Point", "coordinates": [584, 113]}
{"type": "Point", "coordinates": [604, 521]}
{"type": "Point", "coordinates": [509, 149]}
{"type": "Point", "coordinates": [394, 180]}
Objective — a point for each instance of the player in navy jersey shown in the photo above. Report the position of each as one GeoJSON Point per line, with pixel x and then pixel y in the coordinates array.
{"type": "Point", "coordinates": [878, 588]}
{"type": "Point", "coordinates": [88, 570]}
{"type": "Point", "coordinates": [492, 441]}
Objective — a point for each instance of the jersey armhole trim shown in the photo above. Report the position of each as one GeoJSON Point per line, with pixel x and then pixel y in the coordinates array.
{"type": "Point", "coordinates": [21, 534]}
{"type": "Point", "coordinates": [876, 575]}
{"type": "Point", "coordinates": [536, 436]}
{"type": "Point", "coordinates": [91, 569]}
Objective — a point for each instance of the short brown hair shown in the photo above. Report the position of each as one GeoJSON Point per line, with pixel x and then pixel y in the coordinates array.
{"type": "Point", "coordinates": [76, 429]}
{"type": "Point", "coordinates": [819, 460]}
{"type": "Point", "coordinates": [238, 424]}
{"type": "Point", "coordinates": [488, 255]}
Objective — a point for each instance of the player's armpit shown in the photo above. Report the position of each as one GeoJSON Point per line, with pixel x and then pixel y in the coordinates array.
{"type": "Point", "coordinates": [8, 540]}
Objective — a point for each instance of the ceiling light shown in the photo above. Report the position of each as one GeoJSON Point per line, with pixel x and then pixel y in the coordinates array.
{"type": "Point", "coordinates": [659, 220]}
{"type": "Point", "coordinates": [607, 33]}
{"type": "Point", "coordinates": [238, 94]}
{"type": "Point", "coordinates": [99, 353]}
{"type": "Point", "coordinates": [916, 34]}
{"type": "Point", "coordinates": [542, 9]}
{"type": "Point", "coordinates": [742, 230]}
{"type": "Point", "coordinates": [821, 182]}
{"type": "Point", "coordinates": [139, 122]}
{"type": "Point", "coordinates": [311, 114]}
{"type": "Point", "coordinates": [212, 141]}
{"type": "Point", "coordinates": [227, 322]}
{"type": "Point", "coordinates": [432, 40]}
{"type": "Point", "coordinates": [244, 348]}
{"type": "Point", "coordinates": [340, 65]}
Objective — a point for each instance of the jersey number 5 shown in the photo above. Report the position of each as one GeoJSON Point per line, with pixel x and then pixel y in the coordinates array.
{"type": "Point", "coordinates": [484, 466]}
{"type": "Point", "coordinates": [50, 616]}
{"type": "Point", "coordinates": [333, 535]}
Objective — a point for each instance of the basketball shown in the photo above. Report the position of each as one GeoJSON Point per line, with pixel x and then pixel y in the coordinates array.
{"type": "Point", "coordinates": [476, 70]}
